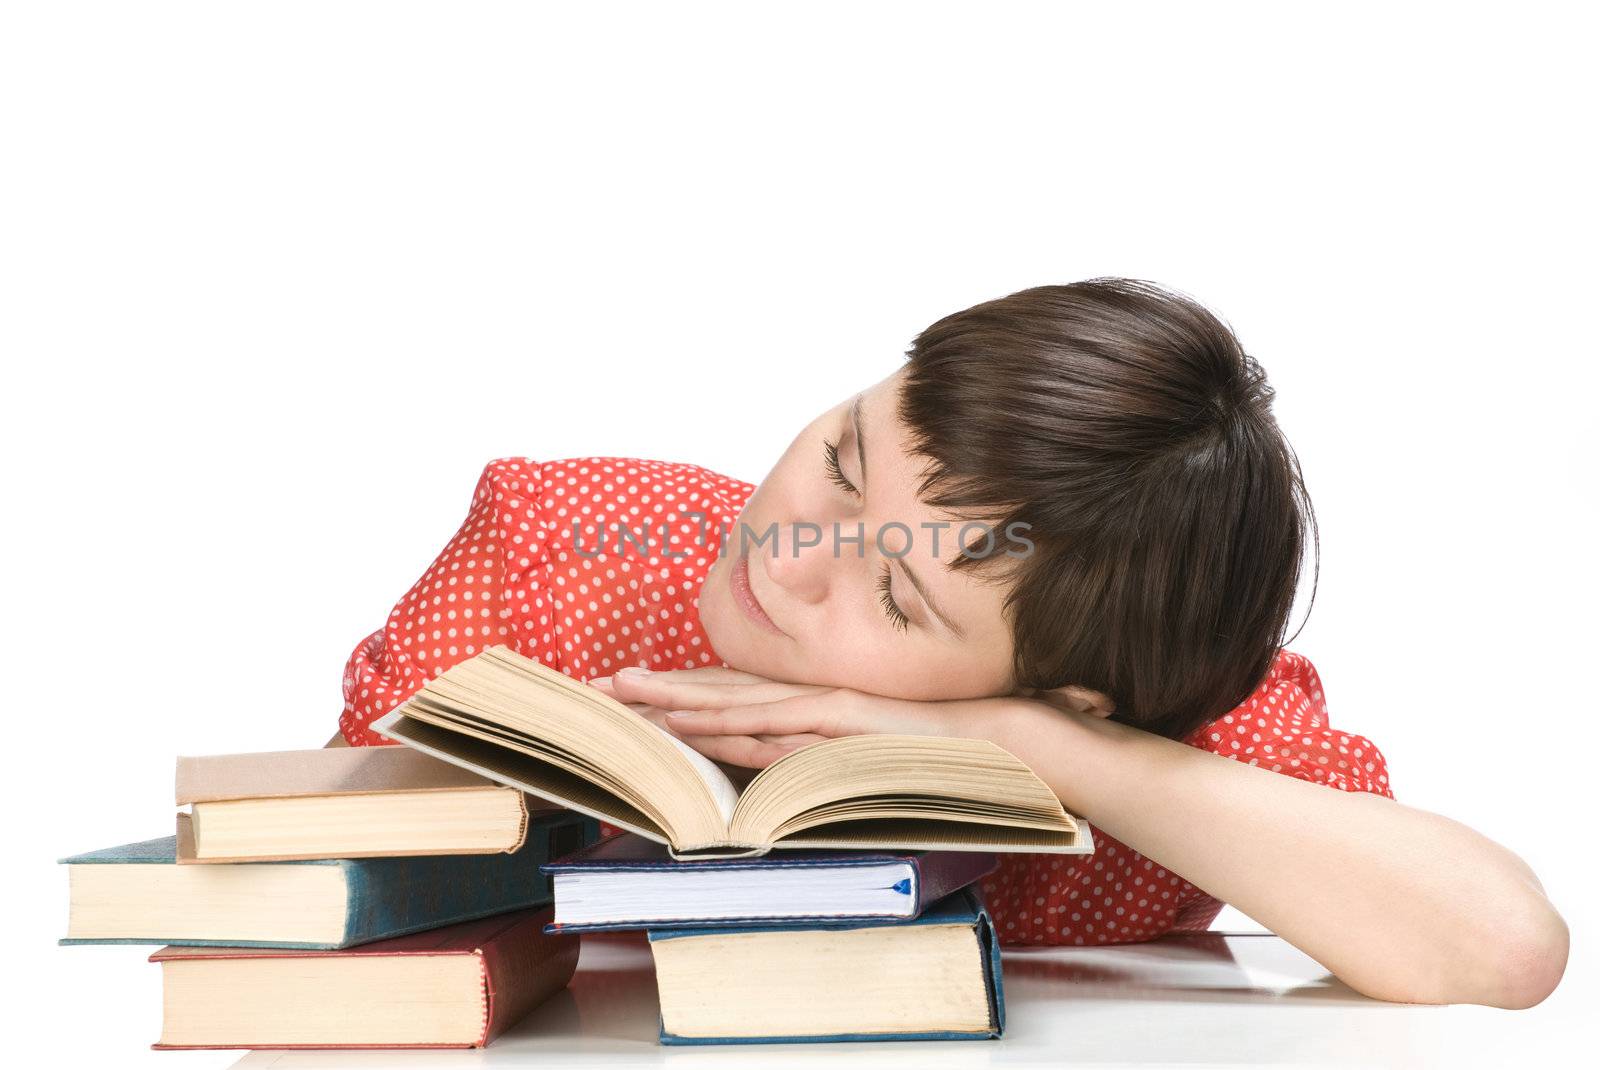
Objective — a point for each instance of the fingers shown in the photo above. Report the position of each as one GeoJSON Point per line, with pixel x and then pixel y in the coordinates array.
{"type": "Point", "coordinates": [732, 717]}
{"type": "Point", "coordinates": [747, 751]}
{"type": "Point", "coordinates": [655, 716]}
{"type": "Point", "coordinates": [671, 691]}
{"type": "Point", "coordinates": [795, 741]}
{"type": "Point", "coordinates": [708, 674]}
{"type": "Point", "coordinates": [715, 674]}
{"type": "Point", "coordinates": [740, 721]}
{"type": "Point", "coordinates": [752, 752]}
{"type": "Point", "coordinates": [819, 715]}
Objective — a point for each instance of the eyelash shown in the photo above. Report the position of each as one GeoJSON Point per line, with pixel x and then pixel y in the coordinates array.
{"type": "Point", "coordinates": [897, 616]}
{"type": "Point", "coordinates": [830, 460]}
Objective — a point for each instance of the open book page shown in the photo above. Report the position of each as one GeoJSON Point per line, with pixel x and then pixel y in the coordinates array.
{"type": "Point", "coordinates": [502, 698]}
{"type": "Point", "coordinates": [898, 778]}
{"type": "Point", "coordinates": [508, 762]}
{"type": "Point", "coordinates": [721, 788]}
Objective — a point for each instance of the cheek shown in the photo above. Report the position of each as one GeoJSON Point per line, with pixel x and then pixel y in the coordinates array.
{"type": "Point", "coordinates": [895, 665]}
{"type": "Point", "coordinates": [721, 621]}
{"type": "Point", "coordinates": [942, 675]}
{"type": "Point", "coordinates": [855, 655]}
{"type": "Point", "coordinates": [740, 643]}
{"type": "Point", "coordinates": [787, 478]}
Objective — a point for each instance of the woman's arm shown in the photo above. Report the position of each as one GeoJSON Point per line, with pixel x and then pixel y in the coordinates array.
{"type": "Point", "coordinates": [456, 609]}
{"type": "Point", "coordinates": [1399, 903]}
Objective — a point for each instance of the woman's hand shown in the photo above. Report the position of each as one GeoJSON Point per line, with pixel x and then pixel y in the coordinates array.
{"type": "Point", "coordinates": [748, 720]}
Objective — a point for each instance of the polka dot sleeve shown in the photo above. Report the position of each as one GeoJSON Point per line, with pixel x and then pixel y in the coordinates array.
{"type": "Point", "coordinates": [1119, 896]}
{"type": "Point", "coordinates": [1283, 726]}
{"type": "Point", "coordinates": [460, 605]}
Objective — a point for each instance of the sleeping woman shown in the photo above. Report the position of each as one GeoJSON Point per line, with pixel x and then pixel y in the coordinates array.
{"type": "Point", "coordinates": [1069, 524]}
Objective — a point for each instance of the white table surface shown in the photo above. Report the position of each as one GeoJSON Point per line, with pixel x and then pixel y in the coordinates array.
{"type": "Point", "coordinates": [1209, 999]}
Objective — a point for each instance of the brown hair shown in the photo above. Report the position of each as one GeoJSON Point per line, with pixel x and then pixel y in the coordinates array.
{"type": "Point", "coordinates": [1127, 427]}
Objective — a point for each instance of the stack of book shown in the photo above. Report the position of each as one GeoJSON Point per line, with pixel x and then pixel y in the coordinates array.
{"type": "Point", "coordinates": [361, 897]}
{"type": "Point", "coordinates": [866, 925]}
{"type": "Point", "coordinates": [402, 896]}
{"type": "Point", "coordinates": [804, 946]}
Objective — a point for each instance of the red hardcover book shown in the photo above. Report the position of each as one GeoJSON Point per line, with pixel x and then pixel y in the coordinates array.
{"type": "Point", "coordinates": [455, 987]}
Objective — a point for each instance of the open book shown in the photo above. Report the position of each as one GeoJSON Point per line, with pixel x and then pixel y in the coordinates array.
{"type": "Point", "coordinates": [513, 720]}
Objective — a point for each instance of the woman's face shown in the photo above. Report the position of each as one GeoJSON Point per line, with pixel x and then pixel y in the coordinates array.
{"type": "Point", "coordinates": [788, 600]}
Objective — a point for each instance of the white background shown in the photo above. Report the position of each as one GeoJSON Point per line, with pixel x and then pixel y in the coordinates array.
{"type": "Point", "coordinates": [279, 279]}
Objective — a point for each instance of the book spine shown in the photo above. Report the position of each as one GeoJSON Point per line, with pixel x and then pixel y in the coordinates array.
{"type": "Point", "coordinates": [523, 967]}
{"type": "Point", "coordinates": [394, 896]}
{"type": "Point", "coordinates": [989, 947]}
{"type": "Point", "coordinates": [940, 873]}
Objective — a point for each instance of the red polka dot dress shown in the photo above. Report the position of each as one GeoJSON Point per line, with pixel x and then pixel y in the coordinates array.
{"type": "Point", "coordinates": [529, 569]}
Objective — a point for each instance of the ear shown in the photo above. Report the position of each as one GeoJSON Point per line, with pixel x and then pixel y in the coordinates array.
{"type": "Point", "coordinates": [1080, 699]}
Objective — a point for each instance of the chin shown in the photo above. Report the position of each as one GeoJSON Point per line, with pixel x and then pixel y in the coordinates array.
{"type": "Point", "coordinates": [735, 640]}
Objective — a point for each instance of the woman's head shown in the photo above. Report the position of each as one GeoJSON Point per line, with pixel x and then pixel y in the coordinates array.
{"type": "Point", "coordinates": [1135, 519]}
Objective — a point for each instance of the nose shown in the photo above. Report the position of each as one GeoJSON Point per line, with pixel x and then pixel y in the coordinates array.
{"type": "Point", "coordinates": [798, 561]}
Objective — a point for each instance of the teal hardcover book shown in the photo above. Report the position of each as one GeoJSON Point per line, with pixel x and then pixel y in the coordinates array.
{"type": "Point", "coordinates": [936, 977]}
{"type": "Point", "coordinates": [137, 894]}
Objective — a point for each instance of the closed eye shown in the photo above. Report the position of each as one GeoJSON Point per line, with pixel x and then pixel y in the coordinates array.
{"type": "Point", "coordinates": [897, 616]}
{"type": "Point", "coordinates": [830, 461]}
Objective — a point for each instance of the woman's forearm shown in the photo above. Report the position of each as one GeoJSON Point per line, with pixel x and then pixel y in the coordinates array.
{"type": "Point", "coordinates": [1398, 903]}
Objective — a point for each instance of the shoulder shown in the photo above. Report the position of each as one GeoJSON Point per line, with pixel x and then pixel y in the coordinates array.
{"type": "Point", "coordinates": [579, 482]}
{"type": "Point", "coordinates": [557, 502]}
{"type": "Point", "coordinates": [676, 485]}
{"type": "Point", "coordinates": [1284, 726]}
{"type": "Point", "coordinates": [507, 476]}
{"type": "Point", "coordinates": [536, 508]}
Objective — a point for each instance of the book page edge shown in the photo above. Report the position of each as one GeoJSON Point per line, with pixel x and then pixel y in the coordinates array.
{"type": "Point", "coordinates": [388, 725]}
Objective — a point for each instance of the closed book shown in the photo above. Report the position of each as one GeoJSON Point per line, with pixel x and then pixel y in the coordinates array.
{"type": "Point", "coordinates": [456, 987]}
{"type": "Point", "coordinates": [340, 802]}
{"type": "Point", "coordinates": [934, 978]}
{"type": "Point", "coordinates": [629, 882]}
{"type": "Point", "coordinates": [134, 894]}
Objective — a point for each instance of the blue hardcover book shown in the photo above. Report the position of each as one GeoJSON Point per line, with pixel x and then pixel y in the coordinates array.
{"type": "Point", "coordinates": [629, 882]}
{"type": "Point", "coordinates": [137, 894]}
{"type": "Point", "coordinates": [934, 978]}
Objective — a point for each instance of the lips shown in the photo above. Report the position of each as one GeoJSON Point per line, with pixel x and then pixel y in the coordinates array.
{"type": "Point", "coordinates": [739, 583]}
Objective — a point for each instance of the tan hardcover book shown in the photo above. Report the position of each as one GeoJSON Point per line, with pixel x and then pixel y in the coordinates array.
{"type": "Point", "coordinates": [935, 977]}
{"type": "Point", "coordinates": [515, 721]}
{"type": "Point", "coordinates": [340, 802]}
